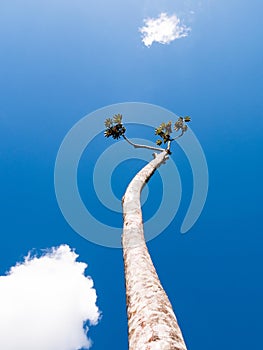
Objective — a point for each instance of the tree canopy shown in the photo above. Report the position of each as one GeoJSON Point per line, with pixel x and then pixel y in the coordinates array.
{"type": "Point", "coordinates": [116, 129]}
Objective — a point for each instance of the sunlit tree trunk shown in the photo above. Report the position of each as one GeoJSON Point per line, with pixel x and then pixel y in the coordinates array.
{"type": "Point", "coordinates": [151, 321]}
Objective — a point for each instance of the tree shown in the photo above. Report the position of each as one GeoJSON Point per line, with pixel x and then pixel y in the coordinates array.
{"type": "Point", "coordinates": [152, 323]}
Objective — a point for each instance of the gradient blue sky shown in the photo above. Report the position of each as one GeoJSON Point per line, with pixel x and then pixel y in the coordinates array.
{"type": "Point", "coordinates": [61, 60]}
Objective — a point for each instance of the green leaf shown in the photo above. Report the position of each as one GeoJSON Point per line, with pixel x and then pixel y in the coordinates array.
{"type": "Point", "coordinates": [168, 127]}
{"type": "Point", "coordinates": [158, 131]}
{"type": "Point", "coordinates": [107, 133]}
{"type": "Point", "coordinates": [117, 118]}
{"type": "Point", "coordinates": [178, 124]}
{"type": "Point", "coordinates": [108, 122]}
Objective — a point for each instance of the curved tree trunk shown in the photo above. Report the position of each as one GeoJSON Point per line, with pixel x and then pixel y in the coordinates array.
{"type": "Point", "coordinates": [151, 321]}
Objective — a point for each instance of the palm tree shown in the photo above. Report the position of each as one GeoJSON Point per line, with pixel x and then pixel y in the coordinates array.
{"type": "Point", "coordinates": [152, 323]}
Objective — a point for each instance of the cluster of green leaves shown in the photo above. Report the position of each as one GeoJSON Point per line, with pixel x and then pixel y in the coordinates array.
{"type": "Point", "coordinates": [114, 127]}
{"type": "Point", "coordinates": [165, 129]}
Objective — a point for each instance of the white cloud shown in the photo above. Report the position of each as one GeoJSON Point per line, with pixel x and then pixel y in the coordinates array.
{"type": "Point", "coordinates": [45, 301]}
{"type": "Point", "coordinates": [163, 29]}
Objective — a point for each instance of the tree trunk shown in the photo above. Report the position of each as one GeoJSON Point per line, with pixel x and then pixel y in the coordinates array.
{"type": "Point", "coordinates": [151, 321]}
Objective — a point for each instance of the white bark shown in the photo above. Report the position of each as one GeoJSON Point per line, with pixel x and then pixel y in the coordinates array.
{"type": "Point", "coordinates": [152, 324]}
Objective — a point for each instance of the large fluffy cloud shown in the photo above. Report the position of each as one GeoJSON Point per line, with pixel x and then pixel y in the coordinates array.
{"type": "Point", "coordinates": [45, 302]}
{"type": "Point", "coordinates": [163, 29]}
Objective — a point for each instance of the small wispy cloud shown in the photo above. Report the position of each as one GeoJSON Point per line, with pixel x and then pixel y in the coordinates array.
{"type": "Point", "coordinates": [163, 29]}
{"type": "Point", "coordinates": [45, 301]}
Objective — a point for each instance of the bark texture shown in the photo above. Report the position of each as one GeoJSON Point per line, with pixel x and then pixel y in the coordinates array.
{"type": "Point", "coordinates": [152, 324]}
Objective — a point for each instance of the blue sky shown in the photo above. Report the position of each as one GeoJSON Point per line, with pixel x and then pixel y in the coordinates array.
{"type": "Point", "coordinates": [61, 61]}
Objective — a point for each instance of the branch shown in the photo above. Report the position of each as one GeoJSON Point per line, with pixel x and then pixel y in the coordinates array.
{"type": "Point", "coordinates": [168, 147]}
{"type": "Point", "coordinates": [178, 136]}
{"type": "Point", "coordinates": [135, 145]}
